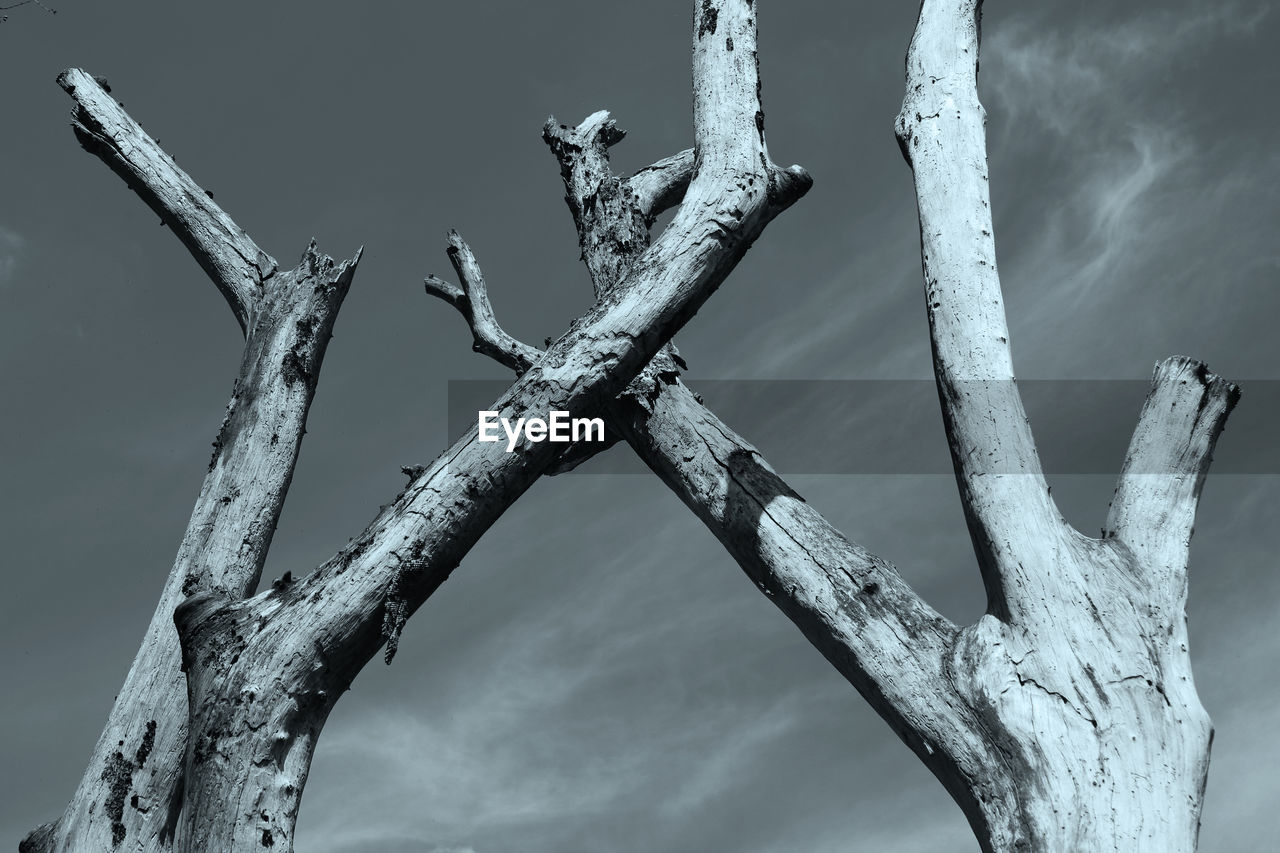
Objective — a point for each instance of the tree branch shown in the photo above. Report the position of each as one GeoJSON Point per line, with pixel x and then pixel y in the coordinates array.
{"type": "Point", "coordinates": [234, 262]}
{"type": "Point", "coordinates": [660, 186]}
{"type": "Point", "coordinates": [1077, 651]}
{"type": "Point", "coordinates": [1154, 507]}
{"type": "Point", "coordinates": [1001, 712]}
{"type": "Point", "coordinates": [472, 300]}
{"type": "Point", "coordinates": [582, 152]}
{"type": "Point", "coordinates": [614, 229]}
{"type": "Point", "coordinates": [941, 132]}
{"type": "Point", "coordinates": [302, 643]}
{"type": "Point", "coordinates": [970, 703]}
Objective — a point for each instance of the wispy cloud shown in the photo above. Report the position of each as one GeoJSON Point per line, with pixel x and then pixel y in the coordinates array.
{"type": "Point", "coordinates": [1064, 77]}
{"type": "Point", "coordinates": [1105, 185]}
{"type": "Point", "coordinates": [595, 703]}
{"type": "Point", "coordinates": [1109, 190]}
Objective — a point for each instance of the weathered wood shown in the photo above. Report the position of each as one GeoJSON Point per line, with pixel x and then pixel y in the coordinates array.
{"type": "Point", "coordinates": [1080, 671]}
{"type": "Point", "coordinates": [853, 606]}
{"type": "Point", "coordinates": [941, 132]}
{"type": "Point", "coordinates": [473, 301]}
{"type": "Point", "coordinates": [263, 673]}
{"type": "Point", "coordinates": [234, 262]}
{"type": "Point", "coordinates": [1066, 718]}
{"type": "Point", "coordinates": [131, 788]}
{"type": "Point", "coordinates": [659, 186]}
{"type": "Point", "coordinates": [1154, 508]}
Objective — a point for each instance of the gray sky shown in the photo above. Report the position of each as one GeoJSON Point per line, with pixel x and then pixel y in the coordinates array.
{"type": "Point", "coordinates": [598, 676]}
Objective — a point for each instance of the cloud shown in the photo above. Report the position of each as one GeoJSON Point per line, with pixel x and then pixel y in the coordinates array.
{"type": "Point", "coordinates": [600, 695]}
{"type": "Point", "coordinates": [723, 769]}
{"type": "Point", "coordinates": [1112, 191]}
{"type": "Point", "coordinates": [1114, 213]}
{"type": "Point", "coordinates": [1105, 185]}
{"type": "Point", "coordinates": [1063, 76]}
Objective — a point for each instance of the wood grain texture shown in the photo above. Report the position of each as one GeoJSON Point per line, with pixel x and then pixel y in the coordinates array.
{"type": "Point", "coordinates": [1080, 673]}
{"type": "Point", "coordinates": [264, 672]}
{"type": "Point", "coordinates": [232, 260]}
{"type": "Point", "coordinates": [131, 789]}
{"type": "Point", "coordinates": [1068, 720]}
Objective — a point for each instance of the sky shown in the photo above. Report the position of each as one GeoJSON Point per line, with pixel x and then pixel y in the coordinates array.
{"type": "Point", "coordinates": [598, 675]}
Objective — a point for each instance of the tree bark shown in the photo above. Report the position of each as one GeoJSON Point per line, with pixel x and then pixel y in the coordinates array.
{"type": "Point", "coordinates": [1080, 671]}
{"type": "Point", "coordinates": [1066, 718]}
{"type": "Point", "coordinates": [263, 673]}
{"type": "Point", "coordinates": [132, 786]}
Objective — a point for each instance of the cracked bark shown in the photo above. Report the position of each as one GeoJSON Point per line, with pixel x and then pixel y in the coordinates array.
{"type": "Point", "coordinates": [132, 784]}
{"type": "Point", "coordinates": [1080, 672]}
{"type": "Point", "coordinates": [1066, 718]}
{"type": "Point", "coordinates": [264, 672]}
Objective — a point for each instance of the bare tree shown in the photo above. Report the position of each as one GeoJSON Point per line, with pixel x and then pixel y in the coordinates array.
{"type": "Point", "coordinates": [210, 740]}
{"type": "Point", "coordinates": [1064, 719]}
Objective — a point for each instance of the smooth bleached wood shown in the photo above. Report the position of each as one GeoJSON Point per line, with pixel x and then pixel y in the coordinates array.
{"type": "Point", "coordinates": [941, 130]}
{"type": "Point", "coordinates": [233, 261]}
{"type": "Point", "coordinates": [1080, 672]}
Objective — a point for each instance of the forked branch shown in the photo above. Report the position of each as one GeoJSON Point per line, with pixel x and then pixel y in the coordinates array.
{"type": "Point", "coordinates": [1085, 640]}
{"type": "Point", "coordinates": [941, 130]}
{"type": "Point", "coordinates": [1154, 508]}
{"type": "Point", "coordinates": [287, 317]}
{"type": "Point", "coordinates": [472, 300]}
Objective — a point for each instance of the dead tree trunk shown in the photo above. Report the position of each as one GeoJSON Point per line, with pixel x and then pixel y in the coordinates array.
{"type": "Point", "coordinates": [1080, 673]}
{"type": "Point", "coordinates": [262, 673]}
{"type": "Point", "coordinates": [132, 785]}
{"type": "Point", "coordinates": [1066, 718]}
